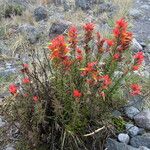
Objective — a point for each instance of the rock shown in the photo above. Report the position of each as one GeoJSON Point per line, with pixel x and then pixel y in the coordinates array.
{"type": "Point", "coordinates": [135, 46]}
{"type": "Point", "coordinates": [83, 4]}
{"type": "Point", "coordinates": [138, 141]}
{"type": "Point", "coordinates": [143, 119]}
{"type": "Point", "coordinates": [32, 34]}
{"type": "Point", "coordinates": [133, 130]}
{"type": "Point", "coordinates": [143, 148]}
{"type": "Point", "coordinates": [145, 6]}
{"type": "Point", "coordinates": [3, 48]}
{"type": "Point", "coordinates": [106, 7]}
{"type": "Point", "coordinates": [2, 123]}
{"type": "Point", "coordinates": [116, 114]}
{"type": "Point", "coordinates": [59, 27]}
{"type": "Point", "coordinates": [10, 147]}
{"type": "Point", "coordinates": [136, 14]}
{"type": "Point", "coordinates": [124, 138]}
{"type": "Point", "coordinates": [40, 13]}
{"type": "Point", "coordinates": [114, 145]}
{"type": "Point", "coordinates": [131, 111]}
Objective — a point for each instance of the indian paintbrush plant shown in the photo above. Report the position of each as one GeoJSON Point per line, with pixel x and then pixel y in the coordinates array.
{"type": "Point", "coordinates": [66, 98]}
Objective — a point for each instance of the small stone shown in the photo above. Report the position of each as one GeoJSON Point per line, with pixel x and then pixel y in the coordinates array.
{"type": "Point", "coordinates": [135, 45]}
{"type": "Point", "coordinates": [10, 147]}
{"type": "Point", "coordinates": [131, 111]}
{"type": "Point", "coordinates": [31, 33]}
{"type": "Point", "coordinates": [40, 13]}
{"type": "Point", "coordinates": [135, 13]}
{"type": "Point", "coordinates": [143, 119]}
{"type": "Point", "coordinates": [2, 123]}
{"type": "Point", "coordinates": [124, 138]}
{"type": "Point", "coordinates": [116, 114]}
{"type": "Point", "coordinates": [59, 27]}
{"type": "Point", "coordinates": [143, 148]}
{"type": "Point", "coordinates": [138, 141]}
{"type": "Point", "coordinates": [112, 144]}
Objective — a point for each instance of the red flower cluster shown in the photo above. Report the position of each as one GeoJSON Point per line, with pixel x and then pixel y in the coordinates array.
{"type": "Point", "coordinates": [106, 81]}
{"type": "Point", "coordinates": [35, 99]}
{"type": "Point", "coordinates": [77, 94]}
{"type": "Point", "coordinates": [79, 54]}
{"type": "Point", "coordinates": [123, 37]}
{"type": "Point", "coordinates": [25, 68]}
{"type": "Point", "coordinates": [89, 27]}
{"type": "Point", "coordinates": [26, 80]}
{"type": "Point", "coordinates": [136, 89]}
{"type": "Point", "coordinates": [117, 56]}
{"type": "Point", "coordinates": [138, 60]}
{"type": "Point", "coordinates": [100, 42]}
{"type": "Point", "coordinates": [72, 34]}
{"type": "Point", "coordinates": [13, 89]}
{"type": "Point", "coordinates": [58, 48]}
{"type": "Point", "coordinates": [90, 69]}
{"type": "Point", "coordinates": [109, 42]}
{"type": "Point", "coordinates": [59, 51]}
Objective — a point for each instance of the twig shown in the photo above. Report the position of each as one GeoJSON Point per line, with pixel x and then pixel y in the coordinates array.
{"type": "Point", "coordinates": [96, 131]}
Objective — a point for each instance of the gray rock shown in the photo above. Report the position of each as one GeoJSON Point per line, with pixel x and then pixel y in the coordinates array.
{"type": "Point", "coordinates": [131, 111]}
{"type": "Point", "coordinates": [114, 145]}
{"type": "Point", "coordinates": [10, 147]}
{"type": "Point", "coordinates": [30, 32]}
{"type": "Point", "coordinates": [84, 4]}
{"type": "Point", "coordinates": [59, 27]}
{"type": "Point", "coordinates": [40, 13]}
{"type": "Point", "coordinates": [143, 148]}
{"type": "Point", "coordinates": [138, 141]}
{"type": "Point", "coordinates": [124, 138]}
{"type": "Point", "coordinates": [133, 130]}
{"type": "Point", "coordinates": [116, 114]}
{"type": "Point", "coordinates": [135, 13]}
{"type": "Point", "coordinates": [106, 7]}
{"type": "Point", "coordinates": [143, 119]}
{"type": "Point", "coordinates": [145, 6]}
{"type": "Point", "coordinates": [3, 48]}
{"type": "Point", "coordinates": [2, 123]}
{"type": "Point", "coordinates": [135, 45]}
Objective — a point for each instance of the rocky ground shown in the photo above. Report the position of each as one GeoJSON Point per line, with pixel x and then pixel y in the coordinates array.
{"type": "Point", "coordinates": [136, 136]}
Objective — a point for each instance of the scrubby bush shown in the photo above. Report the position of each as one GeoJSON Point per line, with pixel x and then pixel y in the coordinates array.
{"type": "Point", "coordinates": [65, 99]}
{"type": "Point", "coordinates": [8, 10]}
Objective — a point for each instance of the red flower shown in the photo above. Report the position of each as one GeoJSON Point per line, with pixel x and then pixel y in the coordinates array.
{"type": "Point", "coordinates": [13, 89]}
{"type": "Point", "coordinates": [136, 89]}
{"type": "Point", "coordinates": [106, 81]}
{"type": "Point", "coordinates": [77, 94]}
{"type": "Point", "coordinates": [139, 57]}
{"type": "Point", "coordinates": [135, 68]}
{"type": "Point", "coordinates": [116, 32]}
{"type": "Point", "coordinates": [109, 42]}
{"type": "Point", "coordinates": [58, 48]}
{"type": "Point", "coordinates": [79, 51]}
{"type": "Point", "coordinates": [116, 56]}
{"type": "Point", "coordinates": [25, 65]}
{"type": "Point", "coordinates": [89, 27]}
{"type": "Point", "coordinates": [26, 80]}
{"type": "Point", "coordinates": [79, 57]}
{"type": "Point", "coordinates": [26, 95]}
{"type": "Point", "coordinates": [35, 98]}
{"type": "Point", "coordinates": [72, 34]}
{"type": "Point", "coordinates": [122, 24]}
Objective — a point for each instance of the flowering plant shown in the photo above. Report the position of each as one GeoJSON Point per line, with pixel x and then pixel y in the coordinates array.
{"type": "Point", "coordinates": [78, 84]}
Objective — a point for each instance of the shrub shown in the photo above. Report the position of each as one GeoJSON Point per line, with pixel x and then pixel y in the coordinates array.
{"type": "Point", "coordinates": [66, 96]}
{"type": "Point", "coordinates": [9, 10]}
